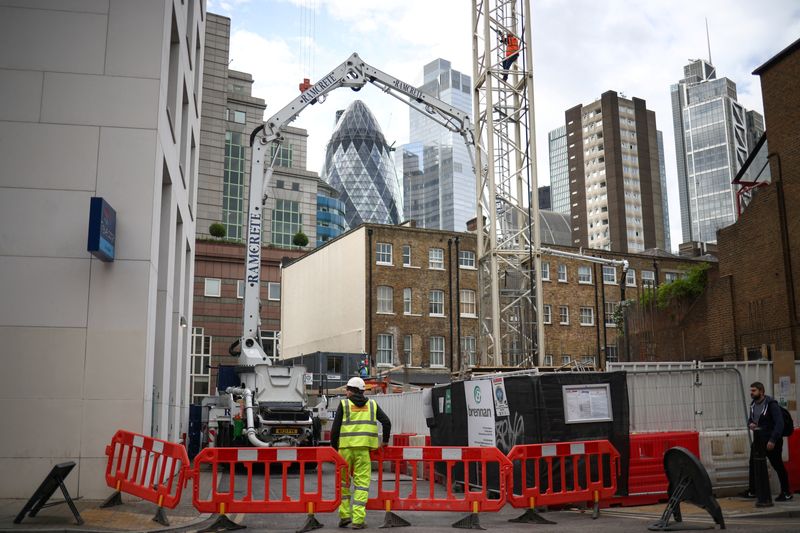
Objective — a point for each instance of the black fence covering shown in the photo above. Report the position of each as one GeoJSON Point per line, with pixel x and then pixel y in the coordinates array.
{"type": "Point", "coordinates": [536, 406]}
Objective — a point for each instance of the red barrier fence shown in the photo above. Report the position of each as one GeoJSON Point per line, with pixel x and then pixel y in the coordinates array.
{"type": "Point", "coordinates": [473, 469]}
{"type": "Point", "coordinates": [792, 443]}
{"type": "Point", "coordinates": [313, 495]}
{"type": "Point", "coordinates": [646, 468]}
{"type": "Point", "coordinates": [152, 469]}
{"type": "Point", "coordinates": [562, 473]}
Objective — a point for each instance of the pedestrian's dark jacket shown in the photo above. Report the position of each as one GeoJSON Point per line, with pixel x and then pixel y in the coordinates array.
{"type": "Point", "coordinates": [360, 400]}
{"type": "Point", "coordinates": [770, 418]}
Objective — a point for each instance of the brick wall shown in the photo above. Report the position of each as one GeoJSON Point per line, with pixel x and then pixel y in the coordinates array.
{"type": "Point", "coordinates": [421, 279]}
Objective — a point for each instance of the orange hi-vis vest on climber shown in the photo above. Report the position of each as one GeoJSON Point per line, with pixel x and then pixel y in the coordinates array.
{"type": "Point", "coordinates": [512, 45]}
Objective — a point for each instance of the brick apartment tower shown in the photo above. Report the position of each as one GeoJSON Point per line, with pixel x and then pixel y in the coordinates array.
{"type": "Point", "coordinates": [614, 175]}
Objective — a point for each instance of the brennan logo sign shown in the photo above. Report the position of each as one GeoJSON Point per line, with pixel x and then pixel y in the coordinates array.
{"type": "Point", "coordinates": [480, 415]}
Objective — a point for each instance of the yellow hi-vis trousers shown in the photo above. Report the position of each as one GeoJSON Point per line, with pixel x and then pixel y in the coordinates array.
{"type": "Point", "coordinates": [361, 473]}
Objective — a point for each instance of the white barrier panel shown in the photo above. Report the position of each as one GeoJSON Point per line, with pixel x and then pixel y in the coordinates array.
{"type": "Point", "coordinates": [726, 456]}
{"type": "Point", "coordinates": [405, 412]}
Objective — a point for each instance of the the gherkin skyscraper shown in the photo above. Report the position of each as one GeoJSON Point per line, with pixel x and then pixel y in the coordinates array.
{"type": "Point", "coordinates": [358, 164]}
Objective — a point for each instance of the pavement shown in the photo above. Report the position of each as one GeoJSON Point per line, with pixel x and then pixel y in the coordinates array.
{"type": "Point", "coordinates": [136, 515]}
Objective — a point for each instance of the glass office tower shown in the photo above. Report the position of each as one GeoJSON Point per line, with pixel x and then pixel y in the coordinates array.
{"type": "Point", "coordinates": [438, 180]}
{"type": "Point", "coordinates": [559, 170]}
{"type": "Point", "coordinates": [711, 145]}
{"type": "Point", "coordinates": [359, 166]}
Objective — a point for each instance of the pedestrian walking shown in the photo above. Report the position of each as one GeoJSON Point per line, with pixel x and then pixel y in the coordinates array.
{"type": "Point", "coordinates": [355, 434]}
{"type": "Point", "coordinates": [766, 421]}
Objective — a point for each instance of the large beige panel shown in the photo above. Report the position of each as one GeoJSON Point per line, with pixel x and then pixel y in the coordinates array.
{"type": "Point", "coordinates": [83, 6]}
{"type": "Point", "coordinates": [135, 38]}
{"type": "Point", "coordinates": [19, 477]}
{"type": "Point", "coordinates": [44, 223]}
{"type": "Point", "coordinates": [42, 428]}
{"type": "Point", "coordinates": [69, 163]}
{"type": "Point", "coordinates": [102, 418]}
{"type": "Point", "coordinates": [30, 351]}
{"type": "Point", "coordinates": [44, 291]}
{"type": "Point", "coordinates": [20, 95]}
{"type": "Point", "coordinates": [53, 40]}
{"type": "Point", "coordinates": [118, 295]}
{"type": "Point", "coordinates": [100, 100]}
{"type": "Point", "coordinates": [125, 178]}
{"type": "Point", "coordinates": [313, 287]}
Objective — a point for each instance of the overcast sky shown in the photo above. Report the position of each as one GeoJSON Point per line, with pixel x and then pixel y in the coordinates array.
{"type": "Point", "coordinates": [581, 49]}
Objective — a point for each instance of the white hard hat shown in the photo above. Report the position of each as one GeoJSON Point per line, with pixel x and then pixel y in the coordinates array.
{"type": "Point", "coordinates": [356, 383]}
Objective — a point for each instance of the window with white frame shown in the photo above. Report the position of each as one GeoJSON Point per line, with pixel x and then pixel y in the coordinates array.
{"type": "Point", "coordinates": [469, 350]}
{"type": "Point", "coordinates": [588, 360]}
{"type": "Point", "coordinates": [270, 342]}
{"type": "Point", "coordinates": [610, 307]}
{"type": "Point", "coordinates": [240, 288]}
{"type": "Point", "coordinates": [200, 375]}
{"type": "Point", "coordinates": [671, 276]}
{"type": "Point", "coordinates": [385, 294]}
{"type": "Point", "coordinates": [545, 271]}
{"type": "Point", "coordinates": [547, 313]}
{"type": "Point", "coordinates": [213, 287]}
{"type": "Point", "coordinates": [436, 351]}
{"type": "Point", "coordinates": [630, 278]}
{"type": "Point", "coordinates": [562, 273]}
{"type": "Point", "coordinates": [385, 349]}
{"type": "Point", "coordinates": [587, 316]}
{"type": "Point", "coordinates": [563, 315]}
{"type": "Point", "coordinates": [407, 343]}
{"type": "Point", "coordinates": [565, 359]}
{"type": "Point", "coordinates": [611, 353]}
{"type": "Point", "coordinates": [407, 301]}
{"type": "Point", "coordinates": [584, 274]}
{"type": "Point", "coordinates": [383, 253]}
{"type": "Point", "coordinates": [648, 278]}
{"type": "Point", "coordinates": [548, 359]}
{"type": "Point", "coordinates": [436, 303]}
{"type": "Point", "coordinates": [609, 275]}
{"type": "Point", "coordinates": [466, 259]}
{"type": "Point", "coordinates": [468, 305]}
{"type": "Point", "coordinates": [406, 255]}
{"type": "Point", "coordinates": [436, 259]}
{"type": "Point", "coordinates": [274, 291]}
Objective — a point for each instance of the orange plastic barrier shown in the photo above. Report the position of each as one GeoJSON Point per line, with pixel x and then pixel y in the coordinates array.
{"type": "Point", "coordinates": [152, 469]}
{"type": "Point", "coordinates": [311, 497]}
{"type": "Point", "coordinates": [562, 473]}
{"type": "Point", "coordinates": [473, 469]}
{"type": "Point", "coordinates": [646, 471]}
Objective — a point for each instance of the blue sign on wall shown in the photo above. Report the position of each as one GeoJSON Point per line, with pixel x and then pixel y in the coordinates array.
{"type": "Point", "coordinates": [102, 229]}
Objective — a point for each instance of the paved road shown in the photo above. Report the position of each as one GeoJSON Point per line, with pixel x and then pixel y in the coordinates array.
{"type": "Point", "coordinates": [611, 520]}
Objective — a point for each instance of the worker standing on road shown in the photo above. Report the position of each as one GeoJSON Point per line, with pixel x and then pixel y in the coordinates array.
{"type": "Point", "coordinates": [355, 434]}
{"type": "Point", "coordinates": [767, 418]}
{"type": "Point", "coordinates": [512, 52]}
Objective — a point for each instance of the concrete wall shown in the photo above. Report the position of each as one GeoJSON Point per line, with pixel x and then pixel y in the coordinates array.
{"type": "Point", "coordinates": [323, 299]}
{"type": "Point", "coordinates": [90, 347]}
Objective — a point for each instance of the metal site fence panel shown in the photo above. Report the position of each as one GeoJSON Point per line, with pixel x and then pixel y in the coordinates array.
{"type": "Point", "coordinates": [700, 399]}
{"type": "Point", "coordinates": [405, 412]}
{"type": "Point", "coordinates": [751, 371]}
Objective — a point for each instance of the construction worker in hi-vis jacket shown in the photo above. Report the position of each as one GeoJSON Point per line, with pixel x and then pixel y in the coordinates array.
{"type": "Point", "coordinates": [355, 434]}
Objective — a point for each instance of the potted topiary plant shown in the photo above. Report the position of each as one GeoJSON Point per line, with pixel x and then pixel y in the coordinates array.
{"type": "Point", "coordinates": [300, 239]}
{"type": "Point", "coordinates": [217, 230]}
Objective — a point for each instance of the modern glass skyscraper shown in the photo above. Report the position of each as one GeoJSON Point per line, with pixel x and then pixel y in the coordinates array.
{"type": "Point", "coordinates": [559, 170]}
{"type": "Point", "coordinates": [359, 166]}
{"type": "Point", "coordinates": [710, 145]}
{"type": "Point", "coordinates": [438, 180]}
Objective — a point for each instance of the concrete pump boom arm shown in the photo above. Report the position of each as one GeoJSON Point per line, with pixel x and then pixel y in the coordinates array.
{"type": "Point", "coordinates": [353, 73]}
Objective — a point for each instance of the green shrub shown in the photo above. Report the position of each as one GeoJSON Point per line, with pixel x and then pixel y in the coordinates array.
{"type": "Point", "coordinates": [300, 239]}
{"type": "Point", "coordinates": [217, 230]}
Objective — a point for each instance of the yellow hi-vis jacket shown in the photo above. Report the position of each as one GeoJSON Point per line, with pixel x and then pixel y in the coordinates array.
{"type": "Point", "coordinates": [359, 425]}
